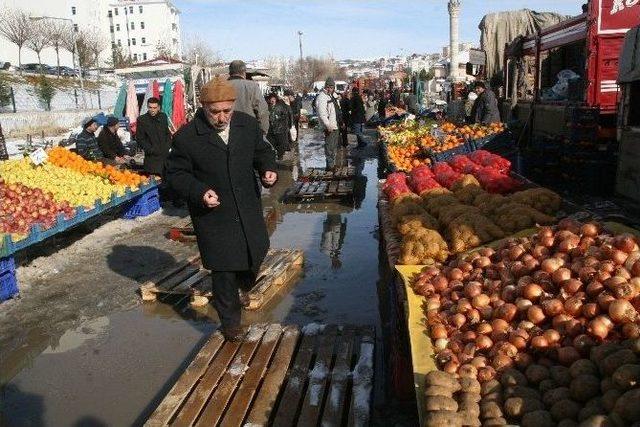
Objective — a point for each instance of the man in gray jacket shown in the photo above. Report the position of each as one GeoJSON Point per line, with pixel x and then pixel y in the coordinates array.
{"type": "Point", "coordinates": [330, 118]}
{"type": "Point", "coordinates": [249, 98]}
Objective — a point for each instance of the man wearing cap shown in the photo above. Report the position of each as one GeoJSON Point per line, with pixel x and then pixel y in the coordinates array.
{"type": "Point", "coordinates": [330, 117]}
{"type": "Point", "coordinates": [109, 142]}
{"type": "Point", "coordinates": [212, 165]}
{"type": "Point", "coordinates": [249, 98]}
{"type": "Point", "coordinates": [86, 142]}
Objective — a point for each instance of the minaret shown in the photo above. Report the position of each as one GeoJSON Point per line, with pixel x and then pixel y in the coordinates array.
{"type": "Point", "coordinates": [454, 10]}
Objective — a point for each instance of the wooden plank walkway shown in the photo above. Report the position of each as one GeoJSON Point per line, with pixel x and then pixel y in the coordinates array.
{"type": "Point", "coordinates": [279, 267]}
{"type": "Point", "coordinates": [319, 174]}
{"type": "Point", "coordinates": [319, 190]}
{"type": "Point", "coordinates": [277, 376]}
{"type": "Point", "coordinates": [182, 230]}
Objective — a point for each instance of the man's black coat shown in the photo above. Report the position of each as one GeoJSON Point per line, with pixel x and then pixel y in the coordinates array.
{"type": "Point", "coordinates": [232, 236]}
{"type": "Point", "coordinates": [152, 134]}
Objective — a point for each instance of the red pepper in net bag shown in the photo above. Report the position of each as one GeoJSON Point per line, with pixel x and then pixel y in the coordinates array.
{"type": "Point", "coordinates": [423, 183]}
{"type": "Point", "coordinates": [396, 185]}
{"type": "Point", "coordinates": [494, 181]}
{"type": "Point", "coordinates": [445, 175]}
{"type": "Point", "coordinates": [463, 164]}
{"type": "Point", "coordinates": [485, 158]}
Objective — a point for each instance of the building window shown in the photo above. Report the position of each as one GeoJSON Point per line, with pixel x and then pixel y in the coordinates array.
{"type": "Point", "coordinates": [115, 11]}
{"type": "Point", "coordinates": [119, 43]}
{"type": "Point", "coordinates": [133, 41]}
{"type": "Point", "coordinates": [135, 56]}
{"type": "Point", "coordinates": [73, 10]}
{"type": "Point", "coordinates": [142, 25]}
{"type": "Point", "coordinates": [111, 28]}
{"type": "Point", "coordinates": [117, 27]}
{"type": "Point", "coordinates": [132, 26]}
{"type": "Point", "coordinates": [144, 40]}
{"type": "Point", "coordinates": [140, 9]}
{"type": "Point", "coordinates": [174, 26]}
{"type": "Point", "coordinates": [110, 14]}
{"type": "Point", "coordinates": [130, 10]}
{"type": "Point", "coordinates": [144, 55]}
{"type": "Point", "coordinates": [75, 27]}
{"type": "Point", "coordinates": [128, 42]}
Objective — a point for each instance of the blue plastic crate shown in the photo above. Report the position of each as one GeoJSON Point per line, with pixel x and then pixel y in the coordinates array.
{"type": "Point", "coordinates": [144, 205]}
{"type": "Point", "coordinates": [8, 285]}
{"type": "Point", "coordinates": [7, 264]}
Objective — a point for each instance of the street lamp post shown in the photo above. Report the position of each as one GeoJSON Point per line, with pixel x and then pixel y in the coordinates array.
{"type": "Point", "coordinates": [75, 46]}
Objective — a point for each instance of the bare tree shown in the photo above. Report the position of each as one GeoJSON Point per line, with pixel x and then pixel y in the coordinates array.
{"type": "Point", "coordinates": [15, 27]}
{"type": "Point", "coordinates": [69, 44]}
{"type": "Point", "coordinates": [120, 59]}
{"type": "Point", "coordinates": [304, 72]}
{"type": "Point", "coordinates": [57, 32]}
{"type": "Point", "coordinates": [163, 50]}
{"type": "Point", "coordinates": [85, 42]}
{"type": "Point", "coordinates": [96, 44]}
{"type": "Point", "coordinates": [39, 39]}
{"type": "Point", "coordinates": [197, 50]}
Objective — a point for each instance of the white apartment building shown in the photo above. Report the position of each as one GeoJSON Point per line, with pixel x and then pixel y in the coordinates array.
{"type": "Point", "coordinates": [138, 26]}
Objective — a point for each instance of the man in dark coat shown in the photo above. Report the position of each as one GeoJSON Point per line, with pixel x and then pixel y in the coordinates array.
{"type": "Point", "coordinates": [486, 105]}
{"type": "Point", "coordinates": [279, 124]}
{"type": "Point", "coordinates": [296, 108]}
{"type": "Point", "coordinates": [358, 117]}
{"type": "Point", "coordinates": [212, 165]}
{"type": "Point", "coordinates": [153, 135]}
{"type": "Point", "coordinates": [110, 144]}
{"type": "Point", "coordinates": [345, 109]}
{"type": "Point", "coordinates": [86, 142]}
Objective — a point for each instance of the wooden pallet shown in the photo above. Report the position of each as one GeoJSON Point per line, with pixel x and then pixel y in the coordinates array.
{"type": "Point", "coordinates": [279, 267]}
{"type": "Point", "coordinates": [319, 174]}
{"type": "Point", "coordinates": [277, 376]}
{"type": "Point", "coordinates": [320, 190]}
{"type": "Point", "coordinates": [182, 230]}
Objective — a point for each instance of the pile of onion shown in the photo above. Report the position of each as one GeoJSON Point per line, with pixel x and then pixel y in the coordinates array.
{"type": "Point", "coordinates": [552, 295]}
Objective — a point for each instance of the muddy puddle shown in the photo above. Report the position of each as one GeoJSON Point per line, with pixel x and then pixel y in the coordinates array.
{"type": "Point", "coordinates": [113, 369]}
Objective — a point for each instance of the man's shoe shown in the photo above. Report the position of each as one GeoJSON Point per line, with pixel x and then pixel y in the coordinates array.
{"type": "Point", "coordinates": [234, 334]}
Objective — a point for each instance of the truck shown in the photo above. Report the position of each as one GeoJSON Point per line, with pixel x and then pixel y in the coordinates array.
{"type": "Point", "coordinates": [628, 173]}
{"type": "Point", "coordinates": [560, 85]}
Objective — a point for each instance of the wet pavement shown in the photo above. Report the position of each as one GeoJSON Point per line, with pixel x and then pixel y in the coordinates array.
{"type": "Point", "coordinates": [114, 369]}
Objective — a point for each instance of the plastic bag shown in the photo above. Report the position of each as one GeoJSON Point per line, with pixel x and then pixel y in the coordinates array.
{"type": "Point", "coordinates": [293, 133]}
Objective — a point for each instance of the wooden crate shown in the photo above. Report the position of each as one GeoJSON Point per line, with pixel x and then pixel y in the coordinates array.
{"type": "Point", "coordinates": [320, 190]}
{"type": "Point", "coordinates": [277, 376]}
{"type": "Point", "coordinates": [279, 267]}
{"type": "Point", "coordinates": [182, 230]}
{"type": "Point", "coordinates": [319, 174]}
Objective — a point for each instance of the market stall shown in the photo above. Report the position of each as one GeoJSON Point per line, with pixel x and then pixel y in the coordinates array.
{"type": "Point", "coordinates": [50, 192]}
{"type": "Point", "coordinates": [509, 307]}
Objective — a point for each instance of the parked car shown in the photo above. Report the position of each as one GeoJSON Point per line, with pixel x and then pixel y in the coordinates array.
{"type": "Point", "coordinates": [36, 68]}
{"type": "Point", "coordinates": [65, 71]}
{"type": "Point", "coordinates": [4, 65]}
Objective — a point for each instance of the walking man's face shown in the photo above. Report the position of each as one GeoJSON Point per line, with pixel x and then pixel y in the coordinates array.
{"type": "Point", "coordinates": [153, 108]}
{"type": "Point", "coordinates": [219, 113]}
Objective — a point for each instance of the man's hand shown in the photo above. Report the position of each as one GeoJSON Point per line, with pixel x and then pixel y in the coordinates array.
{"type": "Point", "coordinates": [210, 199]}
{"type": "Point", "coordinates": [269, 178]}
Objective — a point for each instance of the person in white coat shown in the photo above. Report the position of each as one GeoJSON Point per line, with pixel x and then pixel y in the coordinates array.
{"type": "Point", "coordinates": [329, 116]}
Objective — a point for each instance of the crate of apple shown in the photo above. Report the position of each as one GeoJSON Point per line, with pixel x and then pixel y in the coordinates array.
{"type": "Point", "coordinates": [24, 206]}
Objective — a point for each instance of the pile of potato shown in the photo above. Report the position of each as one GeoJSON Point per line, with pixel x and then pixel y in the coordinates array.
{"type": "Point", "coordinates": [601, 391]}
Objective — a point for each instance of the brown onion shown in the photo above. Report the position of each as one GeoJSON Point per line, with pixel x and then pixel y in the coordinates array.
{"type": "Point", "coordinates": [604, 299]}
{"type": "Point", "coordinates": [571, 286]}
{"type": "Point", "coordinates": [472, 289]}
{"type": "Point", "coordinates": [499, 325]}
{"type": "Point", "coordinates": [523, 360]}
{"type": "Point", "coordinates": [440, 282]}
{"type": "Point", "coordinates": [480, 301]}
{"type": "Point", "coordinates": [594, 288]}
{"type": "Point", "coordinates": [523, 304]}
{"type": "Point", "coordinates": [552, 336]}
{"type": "Point", "coordinates": [552, 307]}
{"type": "Point", "coordinates": [483, 342]}
{"type": "Point", "coordinates": [625, 242]}
{"type": "Point", "coordinates": [621, 311]}
{"type": "Point", "coordinates": [479, 361]}
{"type": "Point", "coordinates": [598, 328]}
{"type": "Point", "coordinates": [560, 275]}
{"type": "Point", "coordinates": [573, 306]}
{"type": "Point", "coordinates": [519, 342]}
{"type": "Point", "coordinates": [438, 331]}
{"type": "Point", "coordinates": [508, 293]}
{"type": "Point", "coordinates": [569, 243]}
{"type": "Point", "coordinates": [501, 362]}
{"type": "Point", "coordinates": [590, 310]}
{"type": "Point", "coordinates": [458, 320]}
{"type": "Point", "coordinates": [506, 312]}
{"type": "Point", "coordinates": [631, 330]}
{"type": "Point", "coordinates": [539, 342]}
{"type": "Point", "coordinates": [550, 265]}
{"type": "Point", "coordinates": [455, 274]}
{"type": "Point", "coordinates": [589, 229]}
{"type": "Point", "coordinates": [473, 316]}
{"type": "Point", "coordinates": [486, 374]}
{"type": "Point", "coordinates": [532, 291]}
{"type": "Point", "coordinates": [484, 328]}
{"type": "Point", "coordinates": [535, 314]}
{"type": "Point", "coordinates": [451, 367]}
{"type": "Point", "coordinates": [559, 320]}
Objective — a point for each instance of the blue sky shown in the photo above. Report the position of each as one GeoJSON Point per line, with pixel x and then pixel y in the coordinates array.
{"type": "Point", "coordinates": [347, 29]}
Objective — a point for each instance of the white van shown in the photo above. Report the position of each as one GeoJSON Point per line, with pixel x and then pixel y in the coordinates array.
{"type": "Point", "coordinates": [341, 86]}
